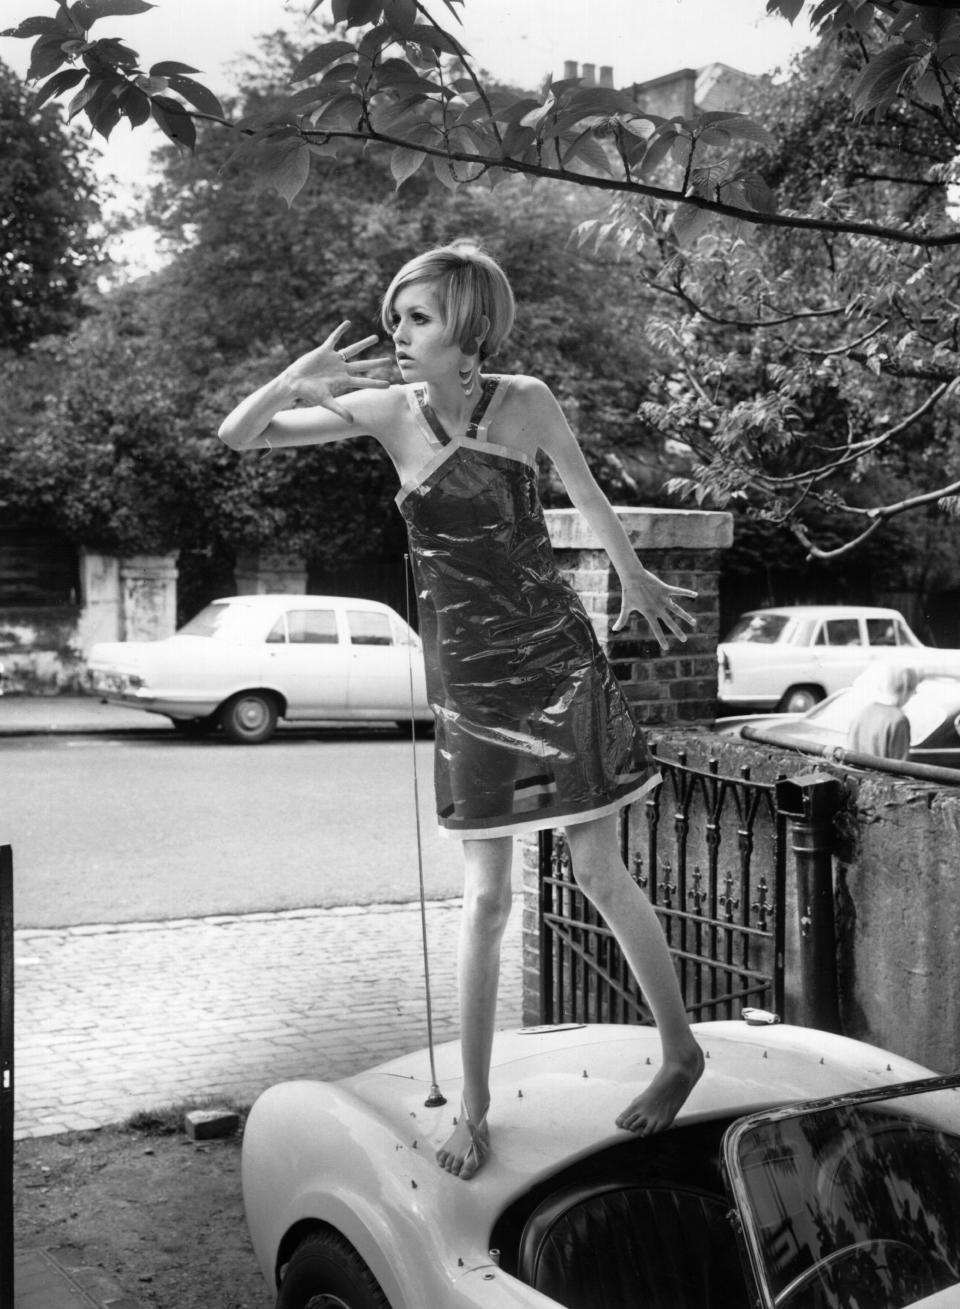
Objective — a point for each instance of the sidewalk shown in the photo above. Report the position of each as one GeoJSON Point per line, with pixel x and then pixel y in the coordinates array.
{"type": "Point", "coordinates": [29, 715]}
{"type": "Point", "coordinates": [115, 1018]}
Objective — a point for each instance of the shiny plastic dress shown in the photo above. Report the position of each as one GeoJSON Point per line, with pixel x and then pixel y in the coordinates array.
{"type": "Point", "coordinates": [532, 727]}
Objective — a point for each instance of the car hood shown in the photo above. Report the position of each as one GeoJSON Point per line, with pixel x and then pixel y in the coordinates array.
{"type": "Point", "coordinates": [557, 1091]}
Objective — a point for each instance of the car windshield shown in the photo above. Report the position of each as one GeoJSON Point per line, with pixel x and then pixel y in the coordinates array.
{"type": "Point", "coordinates": [763, 628]}
{"type": "Point", "coordinates": [853, 1203]}
{"type": "Point", "coordinates": [221, 621]}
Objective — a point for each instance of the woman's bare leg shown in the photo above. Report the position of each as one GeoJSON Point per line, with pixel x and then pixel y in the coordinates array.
{"type": "Point", "coordinates": [603, 877]}
{"type": "Point", "coordinates": [486, 908]}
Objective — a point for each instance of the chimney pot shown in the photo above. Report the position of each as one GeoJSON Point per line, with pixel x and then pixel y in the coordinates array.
{"type": "Point", "coordinates": [589, 74]}
{"type": "Point", "coordinates": [606, 75]}
{"type": "Point", "coordinates": [570, 68]}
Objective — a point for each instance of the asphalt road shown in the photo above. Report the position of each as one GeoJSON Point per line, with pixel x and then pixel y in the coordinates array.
{"type": "Point", "coordinates": [131, 827]}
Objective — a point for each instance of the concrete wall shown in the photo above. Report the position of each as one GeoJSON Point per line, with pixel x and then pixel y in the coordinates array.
{"type": "Point", "coordinates": [132, 599]}
{"type": "Point", "coordinates": [896, 875]}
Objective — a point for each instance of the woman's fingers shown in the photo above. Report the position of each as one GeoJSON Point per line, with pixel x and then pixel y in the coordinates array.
{"type": "Point", "coordinates": [362, 364]}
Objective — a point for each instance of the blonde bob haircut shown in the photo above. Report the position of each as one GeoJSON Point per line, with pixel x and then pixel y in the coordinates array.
{"type": "Point", "coordinates": [476, 302]}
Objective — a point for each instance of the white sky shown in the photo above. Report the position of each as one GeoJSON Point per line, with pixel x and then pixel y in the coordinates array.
{"type": "Point", "coordinates": [518, 41]}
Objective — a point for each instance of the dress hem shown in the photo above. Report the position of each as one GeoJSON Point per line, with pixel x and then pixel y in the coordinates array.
{"type": "Point", "coordinates": [547, 820]}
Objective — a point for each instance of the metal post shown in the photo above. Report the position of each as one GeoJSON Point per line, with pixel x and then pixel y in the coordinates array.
{"type": "Point", "coordinates": [6, 1077]}
{"type": "Point", "coordinates": [811, 802]}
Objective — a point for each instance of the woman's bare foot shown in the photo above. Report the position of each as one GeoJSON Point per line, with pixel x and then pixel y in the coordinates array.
{"type": "Point", "coordinates": [465, 1150]}
{"type": "Point", "coordinates": [656, 1107]}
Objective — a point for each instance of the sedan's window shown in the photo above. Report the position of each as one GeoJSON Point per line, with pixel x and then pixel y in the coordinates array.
{"type": "Point", "coordinates": [311, 626]}
{"type": "Point", "coordinates": [369, 627]}
{"type": "Point", "coordinates": [842, 631]}
{"type": "Point", "coordinates": [222, 622]}
{"type": "Point", "coordinates": [763, 628]}
{"type": "Point", "coordinates": [882, 631]}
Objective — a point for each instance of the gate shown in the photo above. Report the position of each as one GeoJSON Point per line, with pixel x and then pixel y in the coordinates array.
{"type": "Point", "coordinates": [710, 853]}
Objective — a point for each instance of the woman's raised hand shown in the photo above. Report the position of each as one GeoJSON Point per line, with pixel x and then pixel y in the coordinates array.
{"type": "Point", "coordinates": [657, 602]}
{"type": "Point", "coordinates": [320, 375]}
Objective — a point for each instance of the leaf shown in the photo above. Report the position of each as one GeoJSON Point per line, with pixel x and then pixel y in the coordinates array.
{"type": "Point", "coordinates": [135, 106]}
{"type": "Point", "coordinates": [689, 223]}
{"type": "Point", "coordinates": [401, 15]}
{"type": "Point", "coordinates": [444, 171]}
{"type": "Point", "coordinates": [174, 121]}
{"type": "Point", "coordinates": [404, 163]}
{"type": "Point", "coordinates": [316, 60]}
{"type": "Point", "coordinates": [171, 68]}
{"type": "Point", "coordinates": [588, 149]}
{"type": "Point", "coordinates": [58, 83]}
{"type": "Point", "coordinates": [83, 97]}
{"type": "Point", "coordinates": [880, 81]}
{"type": "Point", "coordinates": [285, 168]}
{"type": "Point", "coordinates": [33, 27]}
{"type": "Point", "coordinates": [115, 8]}
{"type": "Point", "coordinates": [196, 94]}
{"type": "Point", "coordinates": [46, 57]}
{"type": "Point", "coordinates": [789, 9]}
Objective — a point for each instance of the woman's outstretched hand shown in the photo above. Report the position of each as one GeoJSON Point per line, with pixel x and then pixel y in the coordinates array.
{"type": "Point", "coordinates": [657, 602]}
{"type": "Point", "coordinates": [320, 375]}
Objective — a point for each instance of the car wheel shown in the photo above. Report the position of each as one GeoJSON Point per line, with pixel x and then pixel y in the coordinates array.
{"type": "Point", "coordinates": [249, 718]}
{"type": "Point", "coordinates": [195, 726]}
{"type": "Point", "coordinates": [799, 699]}
{"type": "Point", "coordinates": [325, 1272]}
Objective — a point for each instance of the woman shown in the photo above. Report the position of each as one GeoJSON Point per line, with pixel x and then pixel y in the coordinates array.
{"type": "Point", "coordinates": [533, 730]}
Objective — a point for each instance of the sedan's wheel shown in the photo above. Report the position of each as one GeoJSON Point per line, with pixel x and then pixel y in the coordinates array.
{"type": "Point", "coordinates": [325, 1272]}
{"type": "Point", "coordinates": [799, 699]}
{"type": "Point", "coordinates": [249, 718]}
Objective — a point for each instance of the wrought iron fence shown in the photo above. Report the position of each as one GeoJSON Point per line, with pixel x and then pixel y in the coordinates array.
{"type": "Point", "coordinates": [710, 852]}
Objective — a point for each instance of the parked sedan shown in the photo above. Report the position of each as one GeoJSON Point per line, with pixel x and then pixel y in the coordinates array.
{"type": "Point", "coordinates": [790, 658]}
{"type": "Point", "coordinates": [806, 1171]}
{"type": "Point", "coordinates": [933, 712]}
{"type": "Point", "coordinates": [246, 661]}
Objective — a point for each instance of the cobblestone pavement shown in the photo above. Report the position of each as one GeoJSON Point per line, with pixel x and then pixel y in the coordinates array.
{"type": "Point", "coordinates": [111, 1019]}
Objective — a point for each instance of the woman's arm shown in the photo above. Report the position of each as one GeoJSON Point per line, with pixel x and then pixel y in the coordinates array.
{"type": "Point", "coordinates": [643, 592]}
{"type": "Point", "coordinates": [270, 416]}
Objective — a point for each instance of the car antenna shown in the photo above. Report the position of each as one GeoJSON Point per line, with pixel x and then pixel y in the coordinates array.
{"type": "Point", "coordinates": [436, 1096]}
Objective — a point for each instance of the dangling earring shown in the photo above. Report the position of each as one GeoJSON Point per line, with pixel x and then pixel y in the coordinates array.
{"type": "Point", "coordinates": [468, 375]}
{"type": "Point", "coordinates": [469, 370]}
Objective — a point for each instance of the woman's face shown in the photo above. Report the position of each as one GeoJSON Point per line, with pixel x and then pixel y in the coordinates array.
{"type": "Point", "coordinates": [422, 342]}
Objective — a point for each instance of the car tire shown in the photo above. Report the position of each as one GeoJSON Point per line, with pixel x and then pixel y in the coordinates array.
{"type": "Point", "coordinates": [195, 726]}
{"type": "Point", "coordinates": [325, 1272]}
{"type": "Point", "coordinates": [798, 699]}
{"type": "Point", "coordinates": [249, 718]}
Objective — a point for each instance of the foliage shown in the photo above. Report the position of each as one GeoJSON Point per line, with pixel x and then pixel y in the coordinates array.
{"type": "Point", "coordinates": [113, 434]}
{"type": "Point", "coordinates": [47, 207]}
{"type": "Point", "coordinates": [408, 83]}
{"type": "Point", "coordinates": [814, 382]}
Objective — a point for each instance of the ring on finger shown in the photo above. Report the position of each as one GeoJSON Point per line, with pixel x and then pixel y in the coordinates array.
{"type": "Point", "coordinates": [343, 356]}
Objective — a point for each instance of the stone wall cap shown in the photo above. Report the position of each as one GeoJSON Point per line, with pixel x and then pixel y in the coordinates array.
{"type": "Point", "coordinates": [657, 529]}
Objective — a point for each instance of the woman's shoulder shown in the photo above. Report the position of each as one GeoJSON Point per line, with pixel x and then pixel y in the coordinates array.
{"type": "Point", "coordinates": [524, 391]}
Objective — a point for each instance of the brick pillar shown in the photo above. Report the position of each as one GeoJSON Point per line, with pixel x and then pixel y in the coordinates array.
{"type": "Point", "coordinates": [684, 547]}
{"type": "Point", "coordinates": [265, 574]}
{"type": "Point", "coordinates": [148, 597]}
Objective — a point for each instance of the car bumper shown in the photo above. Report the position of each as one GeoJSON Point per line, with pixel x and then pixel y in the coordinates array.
{"type": "Point", "coordinates": [116, 688]}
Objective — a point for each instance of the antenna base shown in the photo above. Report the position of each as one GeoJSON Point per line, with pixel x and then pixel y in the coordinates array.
{"type": "Point", "coordinates": [435, 1098]}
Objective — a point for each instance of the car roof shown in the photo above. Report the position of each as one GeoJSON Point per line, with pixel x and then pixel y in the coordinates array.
{"type": "Point", "coordinates": [826, 611]}
{"type": "Point", "coordinates": [270, 600]}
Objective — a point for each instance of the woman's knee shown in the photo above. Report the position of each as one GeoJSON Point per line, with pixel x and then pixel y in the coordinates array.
{"type": "Point", "coordinates": [488, 904]}
{"type": "Point", "coordinates": [595, 859]}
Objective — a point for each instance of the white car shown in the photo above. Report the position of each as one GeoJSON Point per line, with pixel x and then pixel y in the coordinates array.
{"type": "Point", "coordinates": [806, 1171]}
{"type": "Point", "coordinates": [791, 657]}
{"type": "Point", "coordinates": [248, 660]}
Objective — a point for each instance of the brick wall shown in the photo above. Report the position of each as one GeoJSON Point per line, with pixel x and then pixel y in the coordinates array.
{"type": "Point", "coordinates": [684, 547]}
